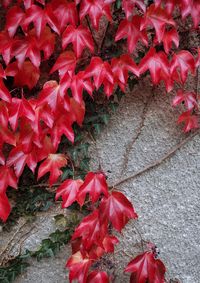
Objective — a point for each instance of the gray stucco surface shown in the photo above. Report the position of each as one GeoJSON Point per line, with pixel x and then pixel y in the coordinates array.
{"type": "Point", "coordinates": [166, 198]}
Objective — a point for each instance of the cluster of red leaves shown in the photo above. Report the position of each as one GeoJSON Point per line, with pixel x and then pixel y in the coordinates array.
{"type": "Point", "coordinates": [92, 238]}
{"type": "Point", "coordinates": [32, 127]}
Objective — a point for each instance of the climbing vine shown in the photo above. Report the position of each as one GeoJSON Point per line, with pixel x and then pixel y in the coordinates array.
{"type": "Point", "coordinates": [59, 81]}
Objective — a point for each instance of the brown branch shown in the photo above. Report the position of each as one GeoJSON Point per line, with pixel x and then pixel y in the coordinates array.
{"type": "Point", "coordinates": [158, 161]}
{"type": "Point", "coordinates": [135, 138]}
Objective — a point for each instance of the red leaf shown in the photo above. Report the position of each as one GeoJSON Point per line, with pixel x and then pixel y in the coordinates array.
{"type": "Point", "coordinates": [14, 18]}
{"type": "Point", "coordinates": [6, 136]}
{"type": "Point", "coordinates": [185, 62]}
{"type": "Point", "coordinates": [169, 37]}
{"type": "Point", "coordinates": [91, 230]}
{"type": "Point", "coordinates": [78, 266]}
{"type": "Point", "coordinates": [46, 42]}
{"type": "Point", "coordinates": [28, 74]}
{"type": "Point", "coordinates": [4, 207]}
{"type": "Point", "coordinates": [101, 73]}
{"type": "Point", "coordinates": [95, 9]}
{"type": "Point", "coordinates": [158, 65]}
{"type": "Point", "coordinates": [109, 242]}
{"type": "Point", "coordinates": [51, 94]}
{"type": "Point", "coordinates": [62, 126]}
{"type": "Point", "coordinates": [117, 209]}
{"type": "Point", "coordinates": [130, 29]}
{"type": "Point", "coordinates": [4, 93]}
{"type": "Point", "coordinates": [80, 38]}
{"type": "Point", "coordinates": [52, 165]}
{"type": "Point", "coordinates": [158, 18]}
{"type": "Point", "coordinates": [191, 121]}
{"type": "Point", "coordinates": [7, 178]}
{"type": "Point", "coordinates": [120, 67]}
{"type": "Point", "coordinates": [77, 111]}
{"type": "Point", "coordinates": [68, 190]}
{"type": "Point", "coordinates": [19, 159]}
{"type": "Point", "coordinates": [145, 268]}
{"type": "Point", "coordinates": [20, 108]}
{"type": "Point", "coordinates": [189, 99]}
{"type": "Point", "coordinates": [98, 277]}
{"type": "Point", "coordinates": [36, 15]}
{"type": "Point", "coordinates": [6, 46]}
{"type": "Point", "coordinates": [78, 84]}
{"type": "Point", "coordinates": [94, 184]}
{"type": "Point", "coordinates": [66, 62]}
{"type": "Point", "coordinates": [129, 5]}
{"type": "Point", "coordinates": [65, 13]}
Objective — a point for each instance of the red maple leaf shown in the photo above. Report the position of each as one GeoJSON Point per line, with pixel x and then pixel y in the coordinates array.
{"type": "Point", "coordinates": [68, 190]}
{"type": "Point", "coordinates": [80, 38]}
{"type": "Point", "coordinates": [145, 268]}
{"type": "Point", "coordinates": [120, 68]}
{"type": "Point", "coordinates": [28, 75]}
{"type": "Point", "coordinates": [78, 84]}
{"type": "Point", "coordinates": [130, 29]}
{"type": "Point", "coordinates": [117, 209]}
{"type": "Point", "coordinates": [20, 108]}
{"type": "Point", "coordinates": [98, 277]}
{"type": "Point", "coordinates": [95, 185]}
{"type": "Point", "coordinates": [78, 265]}
{"type": "Point", "coordinates": [14, 18]}
{"type": "Point", "coordinates": [52, 164]}
{"type": "Point", "coordinates": [184, 62]}
{"type": "Point", "coordinates": [18, 158]}
{"type": "Point", "coordinates": [7, 178]}
{"type": "Point", "coordinates": [158, 18]}
{"type": "Point", "coordinates": [91, 230]}
{"type": "Point", "coordinates": [62, 126]}
{"type": "Point", "coordinates": [169, 37]}
{"type": "Point", "coordinates": [191, 121]}
{"type": "Point", "coordinates": [101, 73]}
{"type": "Point", "coordinates": [189, 99]}
{"type": "Point", "coordinates": [65, 63]}
{"type": "Point", "coordinates": [95, 9]}
{"type": "Point", "coordinates": [129, 5]}
{"type": "Point", "coordinates": [158, 65]}
{"type": "Point", "coordinates": [65, 13]}
{"type": "Point", "coordinates": [5, 207]}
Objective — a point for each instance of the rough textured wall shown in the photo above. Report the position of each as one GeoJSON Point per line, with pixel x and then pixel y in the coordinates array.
{"type": "Point", "coordinates": [166, 198]}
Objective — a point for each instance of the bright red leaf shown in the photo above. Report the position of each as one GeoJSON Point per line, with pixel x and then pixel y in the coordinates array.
{"type": "Point", "coordinates": [95, 185]}
{"type": "Point", "coordinates": [189, 99]}
{"type": "Point", "coordinates": [80, 38]}
{"type": "Point", "coordinates": [191, 121]}
{"type": "Point", "coordinates": [130, 29]}
{"type": "Point", "coordinates": [4, 207]}
{"type": "Point", "coordinates": [7, 178]}
{"type": "Point", "coordinates": [14, 19]}
{"type": "Point", "coordinates": [129, 5]}
{"type": "Point", "coordinates": [145, 268]}
{"type": "Point", "coordinates": [68, 190]}
{"type": "Point", "coordinates": [117, 209]}
{"type": "Point", "coordinates": [52, 164]}
{"type": "Point", "coordinates": [98, 277]}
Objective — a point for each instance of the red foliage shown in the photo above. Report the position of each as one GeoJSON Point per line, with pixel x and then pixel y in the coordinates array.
{"type": "Point", "coordinates": [33, 127]}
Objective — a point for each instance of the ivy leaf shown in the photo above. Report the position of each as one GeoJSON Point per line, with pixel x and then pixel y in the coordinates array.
{"type": "Point", "coordinates": [191, 121]}
{"type": "Point", "coordinates": [130, 29]}
{"type": "Point", "coordinates": [4, 92]}
{"type": "Point", "coordinates": [91, 230]}
{"type": "Point", "coordinates": [6, 46]}
{"type": "Point", "coordinates": [170, 36]}
{"type": "Point", "coordinates": [129, 5]}
{"type": "Point", "coordinates": [158, 18]}
{"type": "Point", "coordinates": [28, 75]}
{"type": "Point", "coordinates": [20, 108]}
{"type": "Point", "coordinates": [14, 18]}
{"type": "Point", "coordinates": [184, 62]}
{"type": "Point", "coordinates": [95, 9]}
{"type": "Point", "coordinates": [117, 209]}
{"type": "Point", "coordinates": [52, 164]}
{"type": "Point", "coordinates": [78, 266]}
{"type": "Point", "coordinates": [146, 268]}
{"type": "Point", "coordinates": [189, 99]}
{"type": "Point", "coordinates": [80, 38]}
{"type": "Point", "coordinates": [68, 190]}
{"type": "Point", "coordinates": [5, 208]}
{"type": "Point", "coordinates": [98, 277]}
{"type": "Point", "coordinates": [94, 184]}
{"type": "Point", "coordinates": [7, 178]}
